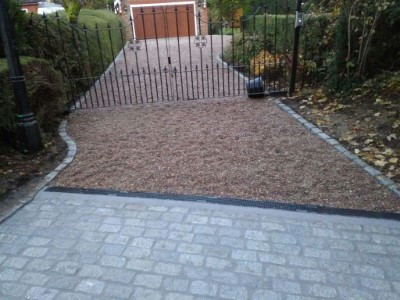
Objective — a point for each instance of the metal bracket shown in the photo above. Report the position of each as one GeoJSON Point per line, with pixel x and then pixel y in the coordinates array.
{"type": "Point", "coordinates": [16, 78]}
{"type": "Point", "coordinates": [299, 22]}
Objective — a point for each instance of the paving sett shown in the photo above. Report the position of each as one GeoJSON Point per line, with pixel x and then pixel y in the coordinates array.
{"type": "Point", "coordinates": [74, 246]}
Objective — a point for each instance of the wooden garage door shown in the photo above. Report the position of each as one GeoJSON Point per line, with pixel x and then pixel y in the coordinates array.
{"type": "Point", "coordinates": [163, 21]}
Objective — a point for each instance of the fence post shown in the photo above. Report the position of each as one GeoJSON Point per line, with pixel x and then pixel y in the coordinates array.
{"type": "Point", "coordinates": [298, 25]}
{"type": "Point", "coordinates": [28, 129]}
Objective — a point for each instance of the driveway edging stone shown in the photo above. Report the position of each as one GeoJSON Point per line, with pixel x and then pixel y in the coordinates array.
{"type": "Point", "coordinates": [376, 174]}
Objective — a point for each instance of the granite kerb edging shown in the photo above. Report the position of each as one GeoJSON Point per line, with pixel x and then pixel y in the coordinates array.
{"type": "Point", "coordinates": [376, 174]}
{"type": "Point", "coordinates": [72, 150]}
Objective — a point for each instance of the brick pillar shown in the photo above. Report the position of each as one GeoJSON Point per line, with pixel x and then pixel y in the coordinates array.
{"type": "Point", "coordinates": [204, 20]}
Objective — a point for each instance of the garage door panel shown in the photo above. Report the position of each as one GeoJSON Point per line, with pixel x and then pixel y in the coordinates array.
{"type": "Point", "coordinates": [163, 21]}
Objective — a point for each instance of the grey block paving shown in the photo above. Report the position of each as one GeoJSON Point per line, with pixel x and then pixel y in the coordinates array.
{"type": "Point", "coordinates": [71, 246]}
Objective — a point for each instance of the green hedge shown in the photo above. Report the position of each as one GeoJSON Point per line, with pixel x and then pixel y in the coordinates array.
{"type": "Point", "coordinates": [45, 94]}
{"type": "Point", "coordinates": [265, 24]}
{"type": "Point", "coordinates": [68, 47]}
{"type": "Point", "coordinates": [55, 51]}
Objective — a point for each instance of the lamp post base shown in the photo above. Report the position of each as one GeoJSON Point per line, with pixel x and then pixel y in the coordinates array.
{"type": "Point", "coordinates": [29, 139]}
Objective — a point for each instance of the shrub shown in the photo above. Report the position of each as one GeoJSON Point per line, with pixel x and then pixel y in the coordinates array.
{"type": "Point", "coordinates": [243, 48]}
{"type": "Point", "coordinates": [68, 46]}
{"type": "Point", "coordinates": [45, 94]}
{"type": "Point", "coordinates": [274, 34]}
{"type": "Point", "coordinates": [77, 51]}
{"type": "Point", "coordinates": [56, 52]}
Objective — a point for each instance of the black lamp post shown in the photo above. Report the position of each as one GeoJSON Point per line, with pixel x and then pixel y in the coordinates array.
{"type": "Point", "coordinates": [29, 138]}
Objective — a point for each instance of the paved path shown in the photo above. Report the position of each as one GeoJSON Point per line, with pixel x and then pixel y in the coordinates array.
{"type": "Point", "coordinates": [71, 246]}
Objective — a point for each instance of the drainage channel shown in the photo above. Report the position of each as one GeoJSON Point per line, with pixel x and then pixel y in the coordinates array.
{"type": "Point", "coordinates": [267, 204]}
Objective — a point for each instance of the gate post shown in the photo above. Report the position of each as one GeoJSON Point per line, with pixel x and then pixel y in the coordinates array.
{"type": "Point", "coordinates": [28, 129]}
{"type": "Point", "coordinates": [298, 24]}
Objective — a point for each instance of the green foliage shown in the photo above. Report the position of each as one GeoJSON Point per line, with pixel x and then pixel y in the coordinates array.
{"type": "Point", "coordinates": [77, 51]}
{"type": "Point", "coordinates": [384, 52]}
{"type": "Point", "coordinates": [225, 9]}
{"type": "Point", "coordinates": [72, 8]}
{"type": "Point", "coordinates": [338, 63]}
{"type": "Point", "coordinates": [96, 4]}
{"type": "Point", "coordinates": [45, 94]}
{"type": "Point", "coordinates": [107, 38]}
{"type": "Point", "coordinates": [260, 34]}
{"type": "Point", "coordinates": [275, 34]}
{"type": "Point", "coordinates": [271, 6]}
{"type": "Point", "coordinates": [17, 19]}
{"type": "Point", "coordinates": [316, 43]}
{"type": "Point", "coordinates": [277, 28]}
{"type": "Point", "coordinates": [243, 49]}
{"type": "Point", "coordinates": [366, 42]}
{"type": "Point", "coordinates": [66, 48]}
{"type": "Point", "coordinates": [7, 104]}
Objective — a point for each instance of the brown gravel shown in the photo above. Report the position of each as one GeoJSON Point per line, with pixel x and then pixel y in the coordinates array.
{"type": "Point", "coordinates": [224, 147]}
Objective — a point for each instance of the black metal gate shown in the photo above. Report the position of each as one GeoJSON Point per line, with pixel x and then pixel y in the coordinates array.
{"type": "Point", "coordinates": [220, 59]}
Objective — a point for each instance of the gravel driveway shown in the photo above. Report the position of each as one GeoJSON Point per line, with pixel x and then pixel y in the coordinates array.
{"type": "Point", "coordinates": [234, 147]}
{"type": "Point", "coordinates": [231, 146]}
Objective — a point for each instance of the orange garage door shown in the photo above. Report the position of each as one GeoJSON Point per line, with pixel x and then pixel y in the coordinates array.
{"type": "Point", "coordinates": [163, 21]}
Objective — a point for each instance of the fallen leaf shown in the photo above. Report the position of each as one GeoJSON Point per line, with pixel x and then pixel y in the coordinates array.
{"type": "Point", "coordinates": [347, 137]}
{"type": "Point", "coordinates": [356, 151]}
{"type": "Point", "coordinates": [391, 137]}
{"type": "Point", "coordinates": [380, 163]}
{"type": "Point", "coordinates": [377, 114]}
{"type": "Point", "coordinates": [354, 143]}
{"type": "Point", "coordinates": [368, 141]}
{"type": "Point", "coordinates": [388, 151]}
{"type": "Point", "coordinates": [393, 160]}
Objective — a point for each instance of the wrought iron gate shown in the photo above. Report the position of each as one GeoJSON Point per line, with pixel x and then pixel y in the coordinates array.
{"type": "Point", "coordinates": [218, 60]}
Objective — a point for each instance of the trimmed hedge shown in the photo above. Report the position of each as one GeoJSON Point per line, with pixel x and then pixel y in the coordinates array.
{"type": "Point", "coordinates": [68, 46]}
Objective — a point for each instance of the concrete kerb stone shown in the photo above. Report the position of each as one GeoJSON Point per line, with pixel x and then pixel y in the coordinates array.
{"type": "Point", "coordinates": [72, 150]}
{"type": "Point", "coordinates": [377, 175]}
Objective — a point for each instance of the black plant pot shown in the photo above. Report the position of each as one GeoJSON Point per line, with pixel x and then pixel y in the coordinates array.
{"type": "Point", "coordinates": [255, 87]}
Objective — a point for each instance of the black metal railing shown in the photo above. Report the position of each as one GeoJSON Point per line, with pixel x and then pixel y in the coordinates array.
{"type": "Point", "coordinates": [169, 53]}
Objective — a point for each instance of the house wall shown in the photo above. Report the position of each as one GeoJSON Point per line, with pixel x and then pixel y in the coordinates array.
{"type": "Point", "coordinates": [30, 7]}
